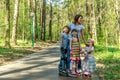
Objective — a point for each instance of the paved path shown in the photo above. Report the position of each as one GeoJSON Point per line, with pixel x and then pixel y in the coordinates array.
{"type": "Point", "coordinates": [37, 66]}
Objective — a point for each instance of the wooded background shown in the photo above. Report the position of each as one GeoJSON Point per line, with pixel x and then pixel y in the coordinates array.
{"type": "Point", "coordinates": [101, 20]}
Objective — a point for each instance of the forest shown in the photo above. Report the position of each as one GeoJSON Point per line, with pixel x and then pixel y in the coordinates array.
{"type": "Point", "coordinates": [25, 22]}
{"type": "Point", "coordinates": [101, 20]}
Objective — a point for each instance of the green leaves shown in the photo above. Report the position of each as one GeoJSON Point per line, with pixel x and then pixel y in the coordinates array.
{"type": "Point", "coordinates": [110, 58]}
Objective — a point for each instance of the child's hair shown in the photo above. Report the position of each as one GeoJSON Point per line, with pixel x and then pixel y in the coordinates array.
{"type": "Point", "coordinates": [67, 28]}
{"type": "Point", "coordinates": [74, 30]}
{"type": "Point", "coordinates": [92, 41]}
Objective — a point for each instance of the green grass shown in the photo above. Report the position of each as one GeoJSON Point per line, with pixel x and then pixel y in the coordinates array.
{"type": "Point", "coordinates": [11, 54]}
{"type": "Point", "coordinates": [20, 43]}
{"type": "Point", "coordinates": [110, 58]}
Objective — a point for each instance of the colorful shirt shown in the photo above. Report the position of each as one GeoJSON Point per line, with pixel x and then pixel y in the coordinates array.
{"type": "Point", "coordinates": [75, 47]}
{"type": "Point", "coordinates": [87, 51]}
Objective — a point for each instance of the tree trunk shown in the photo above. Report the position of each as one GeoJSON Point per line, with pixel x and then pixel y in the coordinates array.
{"type": "Point", "coordinates": [30, 6]}
{"type": "Point", "coordinates": [7, 31]}
{"type": "Point", "coordinates": [93, 22]}
{"type": "Point", "coordinates": [24, 21]}
{"type": "Point", "coordinates": [58, 22]}
{"type": "Point", "coordinates": [99, 10]}
{"type": "Point", "coordinates": [118, 19]}
{"type": "Point", "coordinates": [43, 19]}
{"type": "Point", "coordinates": [35, 20]}
{"type": "Point", "coordinates": [50, 22]}
{"type": "Point", "coordinates": [15, 21]}
{"type": "Point", "coordinates": [88, 18]}
{"type": "Point", "coordinates": [40, 19]}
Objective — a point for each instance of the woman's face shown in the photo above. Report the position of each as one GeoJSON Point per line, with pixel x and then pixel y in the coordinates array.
{"type": "Point", "coordinates": [80, 20]}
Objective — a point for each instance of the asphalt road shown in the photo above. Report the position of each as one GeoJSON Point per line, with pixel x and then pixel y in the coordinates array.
{"type": "Point", "coordinates": [37, 66]}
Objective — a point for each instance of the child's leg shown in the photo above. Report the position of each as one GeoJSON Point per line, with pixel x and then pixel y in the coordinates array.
{"type": "Point", "coordinates": [68, 60]}
{"type": "Point", "coordinates": [76, 66]}
{"type": "Point", "coordinates": [72, 64]}
{"type": "Point", "coordinates": [62, 62]}
{"type": "Point", "coordinates": [79, 64]}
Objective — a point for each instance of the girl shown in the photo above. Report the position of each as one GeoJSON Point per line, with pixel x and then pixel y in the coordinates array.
{"type": "Point", "coordinates": [77, 24]}
{"type": "Point", "coordinates": [63, 47]}
{"type": "Point", "coordinates": [90, 60]}
{"type": "Point", "coordinates": [74, 51]}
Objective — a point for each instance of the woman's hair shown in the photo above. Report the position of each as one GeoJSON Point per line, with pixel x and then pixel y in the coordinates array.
{"type": "Point", "coordinates": [67, 28]}
{"type": "Point", "coordinates": [76, 18]}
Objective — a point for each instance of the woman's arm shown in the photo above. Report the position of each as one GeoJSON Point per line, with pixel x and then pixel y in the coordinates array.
{"type": "Point", "coordinates": [83, 37]}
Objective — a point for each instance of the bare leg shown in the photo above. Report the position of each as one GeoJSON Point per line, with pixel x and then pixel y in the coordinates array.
{"type": "Point", "coordinates": [73, 67]}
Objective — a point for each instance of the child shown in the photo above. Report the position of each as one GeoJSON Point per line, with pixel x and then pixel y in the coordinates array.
{"type": "Point", "coordinates": [74, 51]}
{"type": "Point", "coordinates": [90, 63]}
{"type": "Point", "coordinates": [63, 47]}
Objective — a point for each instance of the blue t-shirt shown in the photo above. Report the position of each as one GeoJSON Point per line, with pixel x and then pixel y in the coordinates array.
{"type": "Point", "coordinates": [78, 27]}
{"type": "Point", "coordinates": [65, 40]}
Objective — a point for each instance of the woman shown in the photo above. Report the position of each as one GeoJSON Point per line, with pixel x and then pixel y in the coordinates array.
{"type": "Point", "coordinates": [77, 24]}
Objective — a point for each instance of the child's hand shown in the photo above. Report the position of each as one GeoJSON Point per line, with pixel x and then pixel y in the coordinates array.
{"type": "Point", "coordinates": [75, 39]}
{"type": "Point", "coordinates": [80, 49]}
{"type": "Point", "coordinates": [81, 52]}
{"type": "Point", "coordinates": [70, 51]}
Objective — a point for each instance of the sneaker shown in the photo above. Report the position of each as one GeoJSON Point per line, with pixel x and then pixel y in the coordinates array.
{"type": "Point", "coordinates": [86, 73]}
{"type": "Point", "coordinates": [79, 71]}
{"type": "Point", "coordinates": [73, 72]}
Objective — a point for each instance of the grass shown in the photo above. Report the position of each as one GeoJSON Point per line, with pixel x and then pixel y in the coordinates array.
{"type": "Point", "coordinates": [109, 58]}
{"type": "Point", "coordinates": [22, 49]}
{"type": "Point", "coordinates": [12, 54]}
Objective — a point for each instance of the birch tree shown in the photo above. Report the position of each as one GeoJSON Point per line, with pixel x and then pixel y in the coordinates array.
{"type": "Point", "coordinates": [15, 22]}
{"type": "Point", "coordinates": [7, 31]}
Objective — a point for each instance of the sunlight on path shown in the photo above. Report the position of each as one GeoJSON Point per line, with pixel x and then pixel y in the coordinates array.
{"type": "Point", "coordinates": [37, 66]}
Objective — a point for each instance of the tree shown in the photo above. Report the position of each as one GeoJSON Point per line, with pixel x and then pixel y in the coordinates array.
{"type": "Point", "coordinates": [88, 18]}
{"type": "Point", "coordinates": [43, 20]}
{"type": "Point", "coordinates": [93, 21]}
{"type": "Point", "coordinates": [50, 22]}
{"type": "Point", "coordinates": [117, 19]}
{"type": "Point", "coordinates": [35, 20]}
{"type": "Point", "coordinates": [7, 31]}
{"type": "Point", "coordinates": [15, 22]}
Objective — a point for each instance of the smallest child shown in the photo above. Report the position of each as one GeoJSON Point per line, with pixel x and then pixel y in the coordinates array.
{"type": "Point", "coordinates": [90, 62]}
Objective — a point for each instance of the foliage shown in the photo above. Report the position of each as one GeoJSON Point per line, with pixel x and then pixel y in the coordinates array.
{"type": "Point", "coordinates": [110, 59]}
{"type": "Point", "coordinates": [11, 54]}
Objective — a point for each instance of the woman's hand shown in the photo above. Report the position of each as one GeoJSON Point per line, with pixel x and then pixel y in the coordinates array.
{"type": "Point", "coordinates": [86, 44]}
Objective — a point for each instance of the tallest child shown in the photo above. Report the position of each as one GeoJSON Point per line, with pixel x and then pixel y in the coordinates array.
{"type": "Point", "coordinates": [77, 24]}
